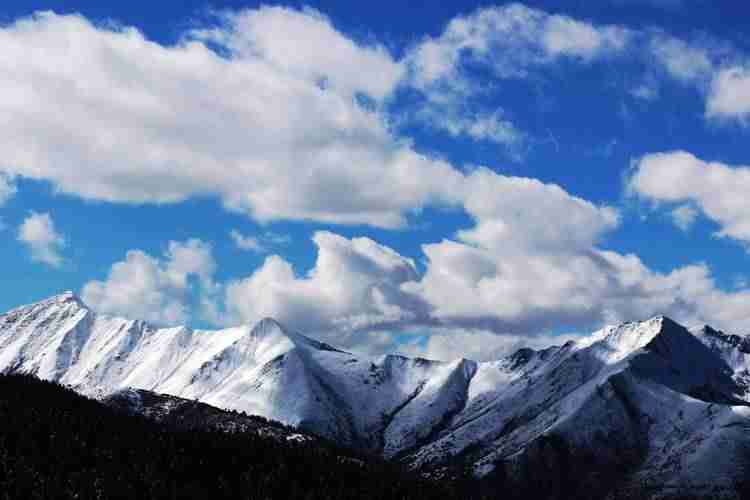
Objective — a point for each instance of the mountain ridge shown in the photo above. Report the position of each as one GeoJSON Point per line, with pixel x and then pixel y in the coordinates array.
{"type": "Point", "coordinates": [613, 396]}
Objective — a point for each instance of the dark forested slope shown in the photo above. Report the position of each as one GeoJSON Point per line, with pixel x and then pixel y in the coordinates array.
{"type": "Point", "coordinates": [55, 443]}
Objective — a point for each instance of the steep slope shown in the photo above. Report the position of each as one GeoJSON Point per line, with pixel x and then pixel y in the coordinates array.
{"type": "Point", "coordinates": [644, 404]}
{"type": "Point", "coordinates": [376, 404]}
{"type": "Point", "coordinates": [733, 350]}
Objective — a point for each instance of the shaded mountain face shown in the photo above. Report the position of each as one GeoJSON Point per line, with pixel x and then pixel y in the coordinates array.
{"type": "Point", "coordinates": [639, 405]}
{"type": "Point", "coordinates": [55, 443]}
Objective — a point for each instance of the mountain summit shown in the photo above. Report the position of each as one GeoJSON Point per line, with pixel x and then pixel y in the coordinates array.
{"type": "Point", "coordinates": [650, 402]}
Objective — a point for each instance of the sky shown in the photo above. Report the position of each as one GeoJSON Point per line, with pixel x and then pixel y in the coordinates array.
{"type": "Point", "coordinates": [440, 179]}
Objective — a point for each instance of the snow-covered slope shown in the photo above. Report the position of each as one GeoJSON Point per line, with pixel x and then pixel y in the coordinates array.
{"type": "Point", "coordinates": [734, 350]}
{"type": "Point", "coordinates": [384, 403]}
{"type": "Point", "coordinates": [647, 404]}
{"type": "Point", "coordinates": [187, 415]}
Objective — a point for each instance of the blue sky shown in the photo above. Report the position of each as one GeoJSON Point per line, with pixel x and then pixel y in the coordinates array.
{"type": "Point", "coordinates": [452, 179]}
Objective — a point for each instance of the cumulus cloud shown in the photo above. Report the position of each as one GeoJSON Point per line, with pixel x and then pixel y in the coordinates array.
{"type": "Point", "coordinates": [729, 97]}
{"type": "Point", "coordinates": [476, 345]}
{"type": "Point", "coordinates": [280, 127]}
{"type": "Point", "coordinates": [354, 285]}
{"type": "Point", "coordinates": [718, 190]}
{"type": "Point", "coordinates": [157, 289]}
{"type": "Point", "coordinates": [524, 214]}
{"type": "Point", "coordinates": [310, 48]}
{"type": "Point", "coordinates": [39, 234]}
{"type": "Point", "coordinates": [529, 263]}
{"type": "Point", "coordinates": [297, 127]}
{"type": "Point", "coordinates": [523, 295]}
{"type": "Point", "coordinates": [517, 269]}
{"type": "Point", "coordinates": [126, 119]}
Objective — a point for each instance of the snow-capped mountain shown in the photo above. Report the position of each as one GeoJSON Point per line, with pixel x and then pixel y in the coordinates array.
{"type": "Point", "coordinates": [376, 404]}
{"type": "Point", "coordinates": [642, 405]}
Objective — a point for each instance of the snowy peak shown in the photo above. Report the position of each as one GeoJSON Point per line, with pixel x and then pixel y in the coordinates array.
{"type": "Point", "coordinates": [270, 330]}
{"type": "Point", "coordinates": [664, 352]}
{"type": "Point", "coordinates": [673, 339]}
{"type": "Point", "coordinates": [659, 335]}
{"type": "Point", "coordinates": [268, 334]}
{"type": "Point", "coordinates": [634, 335]}
{"type": "Point", "coordinates": [663, 337]}
{"type": "Point", "coordinates": [67, 303]}
{"type": "Point", "coordinates": [636, 384]}
{"type": "Point", "coordinates": [268, 327]}
{"type": "Point", "coordinates": [68, 297]}
{"type": "Point", "coordinates": [711, 336]}
{"type": "Point", "coordinates": [44, 338]}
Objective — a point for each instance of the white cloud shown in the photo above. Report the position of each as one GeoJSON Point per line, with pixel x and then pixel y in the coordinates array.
{"type": "Point", "coordinates": [271, 122]}
{"type": "Point", "coordinates": [155, 289]}
{"type": "Point", "coordinates": [684, 217]}
{"type": "Point", "coordinates": [258, 244]}
{"type": "Point", "coordinates": [307, 45]}
{"type": "Point", "coordinates": [515, 41]}
{"type": "Point", "coordinates": [563, 36]}
{"type": "Point", "coordinates": [125, 119]}
{"type": "Point", "coordinates": [273, 125]}
{"type": "Point", "coordinates": [490, 304]}
{"type": "Point", "coordinates": [717, 69]}
{"type": "Point", "coordinates": [524, 295]}
{"type": "Point", "coordinates": [686, 62]}
{"type": "Point", "coordinates": [354, 284]}
{"type": "Point", "coordinates": [523, 214]}
{"type": "Point", "coordinates": [529, 263]}
{"type": "Point", "coordinates": [527, 235]}
{"type": "Point", "coordinates": [510, 40]}
{"type": "Point", "coordinates": [38, 233]}
{"type": "Point", "coordinates": [7, 189]}
{"type": "Point", "coordinates": [718, 190]}
{"type": "Point", "coordinates": [490, 127]}
{"type": "Point", "coordinates": [507, 41]}
{"type": "Point", "coordinates": [729, 97]}
{"type": "Point", "coordinates": [447, 345]}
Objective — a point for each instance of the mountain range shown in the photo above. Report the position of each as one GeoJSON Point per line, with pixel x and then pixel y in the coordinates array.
{"type": "Point", "coordinates": [643, 406]}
